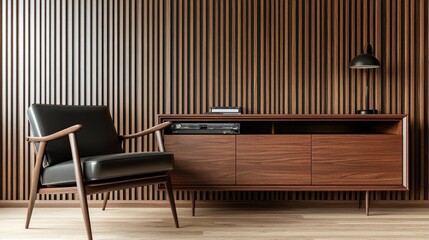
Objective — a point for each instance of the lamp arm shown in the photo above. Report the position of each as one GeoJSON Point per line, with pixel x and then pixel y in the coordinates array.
{"type": "Point", "coordinates": [367, 90]}
{"type": "Point", "coordinates": [367, 97]}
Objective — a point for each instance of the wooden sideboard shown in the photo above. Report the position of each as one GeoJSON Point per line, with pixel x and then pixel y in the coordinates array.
{"type": "Point", "coordinates": [292, 153]}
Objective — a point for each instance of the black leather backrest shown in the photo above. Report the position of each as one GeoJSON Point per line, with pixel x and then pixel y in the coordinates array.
{"type": "Point", "coordinates": [97, 136]}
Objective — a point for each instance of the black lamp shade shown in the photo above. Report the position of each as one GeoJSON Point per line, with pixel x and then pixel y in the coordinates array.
{"type": "Point", "coordinates": [365, 60]}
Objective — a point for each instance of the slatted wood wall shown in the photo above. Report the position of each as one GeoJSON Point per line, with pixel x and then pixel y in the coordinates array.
{"type": "Point", "coordinates": [144, 57]}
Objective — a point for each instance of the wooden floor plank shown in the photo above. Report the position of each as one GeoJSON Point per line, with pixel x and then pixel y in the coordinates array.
{"type": "Point", "coordinates": [219, 223]}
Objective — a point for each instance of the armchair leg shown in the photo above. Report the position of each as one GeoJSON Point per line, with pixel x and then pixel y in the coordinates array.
{"type": "Point", "coordinates": [105, 198]}
{"type": "Point", "coordinates": [35, 182]}
{"type": "Point", "coordinates": [171, 199]}
{"type": "Point", "coordinates": [31, 202]}
{"type": "Point", "coordinates": [80, 185]}
{"type": "Point", "coordinates": [85, 212]}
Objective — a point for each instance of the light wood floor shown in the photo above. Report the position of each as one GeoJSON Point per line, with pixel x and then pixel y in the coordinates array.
{"type": "Point", "coordinates": [219, 223]}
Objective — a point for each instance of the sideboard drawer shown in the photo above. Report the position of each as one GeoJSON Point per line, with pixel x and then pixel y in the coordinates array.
{"type": "Point", "coordinates": [202, 159]}
{"type": "Point", "coordinates": [274, 159]}
{"type": "Point", "coordinates": [370, 159]}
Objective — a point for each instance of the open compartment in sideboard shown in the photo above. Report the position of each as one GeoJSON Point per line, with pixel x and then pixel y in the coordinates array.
{"type": "Point", "coordinates": [260, 127]}
{"type": "Point", "coordinates": [339, 127]}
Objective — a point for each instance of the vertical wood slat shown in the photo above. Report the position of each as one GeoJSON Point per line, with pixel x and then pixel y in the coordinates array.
{"type": "Point", "coordinates": [70, 52]}
{"type": "Point", "coordinates": [142, 58]}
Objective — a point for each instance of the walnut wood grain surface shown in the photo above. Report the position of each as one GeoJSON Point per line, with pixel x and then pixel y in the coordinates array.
{"type": "Point", "coordinates": [269, 117]}
{"type": "Point", "coordinates": [274, 159]}
{"type": "Point", "coordinates": [357, 159]}
{"type": "Point", "coordinates": [202, 159]}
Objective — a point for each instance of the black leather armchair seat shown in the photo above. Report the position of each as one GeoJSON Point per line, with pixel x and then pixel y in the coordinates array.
{"type": "Point", "coordinates": [111, 166]}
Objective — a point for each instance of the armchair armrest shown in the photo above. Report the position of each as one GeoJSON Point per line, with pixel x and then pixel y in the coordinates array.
{"type": "Point", "coordinates": [70, 132]}
{"type": "Point", "coordinates": [59, 134]}
{"type": "Point", "coordinates": [147, 131]}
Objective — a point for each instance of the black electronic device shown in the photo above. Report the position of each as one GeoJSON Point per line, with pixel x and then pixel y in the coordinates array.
{"type": "Point", "coordinates": [205, 128]}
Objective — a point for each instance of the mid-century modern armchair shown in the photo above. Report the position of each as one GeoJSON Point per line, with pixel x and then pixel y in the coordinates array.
{"type": "Point", "coordinates": [79, 151]}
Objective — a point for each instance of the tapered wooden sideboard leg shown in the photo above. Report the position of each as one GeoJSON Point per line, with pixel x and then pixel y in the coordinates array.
{"type": "Point", "coordinates": [105, 199]}
{"type": "Point", "coordinates": [193, 198]}
{"type": "Point", "coordinates": [359, 197]}
{"type": "Point", "coordinates": [367, 202]}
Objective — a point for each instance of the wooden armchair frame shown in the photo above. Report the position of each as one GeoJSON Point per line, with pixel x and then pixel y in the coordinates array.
{"type": "Point", "coordinates": [87, 189]}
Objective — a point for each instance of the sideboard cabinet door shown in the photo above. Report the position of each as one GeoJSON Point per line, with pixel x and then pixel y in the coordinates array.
{"type": "Point", "coordinates": [274, 159]}
{"type": "Point", "coordinates": [202, 159]}
{"type": "Point", "coordinates": [370, 159]}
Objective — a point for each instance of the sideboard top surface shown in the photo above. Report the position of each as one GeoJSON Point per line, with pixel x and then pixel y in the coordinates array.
{"type": "Point", "coordinates": [281, 117]}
